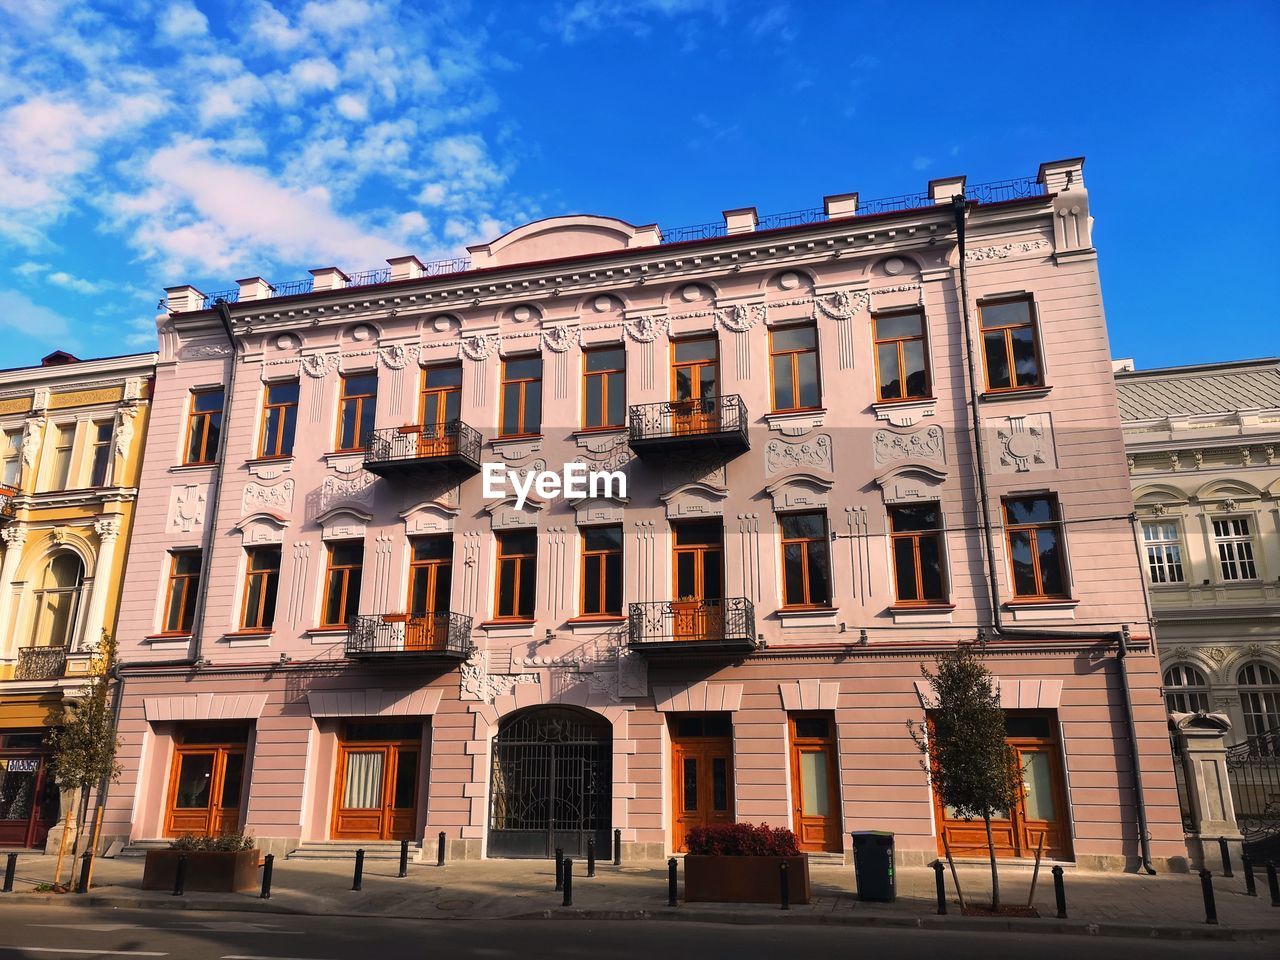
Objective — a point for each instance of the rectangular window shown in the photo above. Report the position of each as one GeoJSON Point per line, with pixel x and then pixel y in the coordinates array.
{"type": "Point", "coordinates": [344, 563]}
{"type": "Point", "coordinates": [695, 369]}
{"type": "Point", "coordinates": [517, 574]}
{"type": "Point", "coordinates": [100, 465]}
{"type": "Point", "coordinates": [261, 579]}
{"type": "Point", "coordinates": [521, 396]}
{"type": "Point", "coordinates": [184, 586]}
{"type": "Point", "coordinates": [355, 409]}
{"type": "Point", "coordinates": [916, 534]}
{"type": "Point", "coordinates": [793, 358]}
{"type": "Point", "coordinates": [604, 401]}
{"type": "Point", "coordinates": [1033, 527]}
{"type": "Point", "coordinates": [1164, 552]}
{"type": "Point", "coordinates": [902, 372]}
{"type": "Point", "coordinates": [1234, 541]}
{"type": "Point", "coordinates": [11, 458]}
{"type": "Point", "coordinates": [602, 571]}
{"type": "Point", "coordinates": [279, 419]}
{"type": "Point", "coordinates": [806, 560]}
{"type": "Point", "coordinates": [441, 400]}
{"type": "Point", "coordinates": [64, 441]}
{"type": "Point", "coordinates": [204, 425]}
{"type": "Point", "coordinates": [1009, 345]}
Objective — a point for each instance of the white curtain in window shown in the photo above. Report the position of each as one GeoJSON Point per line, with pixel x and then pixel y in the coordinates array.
{"type": "Point", "coordinates": [363, 788]}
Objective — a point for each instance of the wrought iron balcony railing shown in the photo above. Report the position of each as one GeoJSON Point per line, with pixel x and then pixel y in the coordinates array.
{"type": "Point", "coordinates": [436, 636]}
{"type": "Point", "coordinates": [719, 422]}
{"type": "Point", "coordinates": [7, 508]}
{"type": "Point", "coordinates": [41, 663]}
{"type": "Point", "coordinates": [727, 624]}
{"type": "Point", "coordinates": [451, 444]}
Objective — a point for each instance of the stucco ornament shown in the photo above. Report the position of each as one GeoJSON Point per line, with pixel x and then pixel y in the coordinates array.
{"type": "Point", "coordinates": [1004, 250]}
{"type": "Point", "coordinates": [740, 318]}
{"type": "Point", "coordinates": [842, 305]}
{"type": "Point", "coordinates": [477, 683]}
{"type": "Point", "coordinates": [124, 436]}
{"type": "Point", "coordinates": [107, 528]}
{"type": "Point", "coordinates": [358, 487]}
{"type": "Point", "coordinates": [559, 339]}
{"type": "Point", "coordinates": [277, 497]}
{"type": "Point", "coordinates": [13, 537]}
{"type": "Point", "coordinates": [1021, 445]}
{"type": "Point", "coordinates": [645, 329]}
{"type": "Point", "coordinates": [477, 347]}
{"type": "Point", "coordinates": [318, 365]}
{"type": "Point", "coordinates": [31, 441]}
{"type": "Point", "coordinates": [783, 455]}
{"type": "Point", "coordinates": [396, 356]}
{"type": "Point", "coordinates": [923, 444]}
{"type": "Point", "coordinates": [1217, 654]}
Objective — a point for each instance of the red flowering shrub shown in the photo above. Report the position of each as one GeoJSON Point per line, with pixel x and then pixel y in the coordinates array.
{"type": "Point", "coordinates": [742, 840]}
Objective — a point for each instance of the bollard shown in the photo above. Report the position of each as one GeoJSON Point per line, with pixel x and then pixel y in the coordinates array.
{"type": "Point", "coordinates": [1250, 887]}
{"type": "Point", "coordinates": [1225, 852]}
{"type": "Point", "coordinates": [1273, 883]}
{"type": "Point", "coordinates": [1060, 893]}
{"type": "Point", "coordinates": [1206, 890]}
{"type": "Point", "coordinates": [404, 858]}
{"type": "Point", "coordinates": [268, 868]}
{"type": "Point", "coordinates": [357, 882]}
{"type": "Point", "coordinates": [671, 882]}
{"type": "Point", "coordinates": [591, 856]}
{"type": "Point", "coordinates": [617, 847]}
{"type": "Point", "coordinates": [940, 882]}
{"type": "Point", "coordinates": [559, 868]}
{"type": "Point", "coordinates": [568, 883]}
{"type": "Point", "coordinates": [10, 868]}
{"type": "Point", "coordinates": [785, 882]}
{"type": "Point", "coordinates": [180, 876]}
{"type": "Point", "coordinates": [440, 850]}
{"type": "Point", "coordinates": [86, 864]}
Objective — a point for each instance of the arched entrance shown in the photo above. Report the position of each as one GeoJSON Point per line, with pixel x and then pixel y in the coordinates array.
{"type": "Point", "coordinates": [551, 784]}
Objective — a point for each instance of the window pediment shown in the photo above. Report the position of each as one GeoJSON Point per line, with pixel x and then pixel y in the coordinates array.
{"type": "Point", "coordinates": [695, 500]}
{"type": "Point", "coordinates": [261, 528]}
{"type": "Point", "coordinates": [428, 517]}
{"type": "Point", "coordinates": [799, 491]}
{"type": "Point", "coordinates": [343, 523]}
{"type": "Point", "coordinates": [504, 514]}
{"type": "Point", "coordinates": [911, 482]}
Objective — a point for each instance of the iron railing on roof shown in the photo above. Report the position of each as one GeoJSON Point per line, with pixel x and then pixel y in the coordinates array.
{"type": "Point", "coordinates": [295, 287]}
{"type": "Point", "coordinates": [231, 296]}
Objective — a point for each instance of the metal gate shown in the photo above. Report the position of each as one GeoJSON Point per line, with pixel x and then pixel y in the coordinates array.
{"type": "Point", "coordinates": [1253, 768]}
{"type": "Point", "coordinates": [551, 784]}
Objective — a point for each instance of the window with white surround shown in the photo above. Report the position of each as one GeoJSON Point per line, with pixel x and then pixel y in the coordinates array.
{"type": "Point", "coordinates": [1233, 539]}
{"type": "Point", "coordinates": [1185, 689]}
{"type": "Point", "coordinates": [64, 441]}
{"type": "Point", "coordinates": [11, 457]}
{"type": "Point", "coordinates": [1164, 551]}
{"type": "Point", "coordinates": [1259, 698]}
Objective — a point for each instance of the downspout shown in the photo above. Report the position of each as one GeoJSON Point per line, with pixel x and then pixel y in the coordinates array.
{"type": "Point", "coordinates": [1144, 839]}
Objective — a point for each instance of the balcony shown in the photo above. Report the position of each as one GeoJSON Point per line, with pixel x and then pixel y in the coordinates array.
{"type": "Point", "coordinates": [41, 663]}
{"type": "Point", "coordinates": [726, 626]}
{"type": "Point", "coordinates": [413, 451]}
{"type": "Point", "coordinates": [438, 637]}
{"type": "Point", "coordinates": [7, 508]}
{"type": "Point", "coordinates": [689, 427]}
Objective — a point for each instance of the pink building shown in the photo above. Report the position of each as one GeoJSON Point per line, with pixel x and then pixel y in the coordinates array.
{"type": "Point", "coordinates": [334, 636]}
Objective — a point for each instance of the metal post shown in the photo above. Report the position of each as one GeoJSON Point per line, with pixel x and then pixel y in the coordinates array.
{"type": "Point", "coordinates": [785, 883]}
{"type": "Point", "coordinates": [357, 882]}
{"type": "Point", "coordinates": [86, 862]}
{"type": "Point", "coordinates": [1225, 852]}
{"type": "Point", "coordinates": [404, 858]}
{"type": "Point", "coordinates": [1060, 892]}
{"type": "Point", "coordinates": [1250, 887]}
{"type": "Point", "coordinates": [10, 867]}
{"type": "Point", "coordinates": [268, 868]}
{"type": "Point", "coordinates": [1206, 890]}
{"type": "Point", "coordinates": [671, 882]}
{"type": "Point", "coordinates": [568, 883]}
{"type": "Point", "coordinates": [559, 868]}
{"type": "Point", "coordinates": [180, 876]}
{"type": "Point", "coordinates": [1273, 883]}
{"type": "Point", "coordinates": [617, 847]}
{"type": "Point", "coordinates": [940, 882]}
{"type": "Point", "coordinates": [440, 850]}
{"type": "Point", "coordinates": [591, 856]}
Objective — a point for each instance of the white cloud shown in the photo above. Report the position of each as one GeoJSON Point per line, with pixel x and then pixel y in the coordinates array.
{"type": "Point", "coordinates": [338, 17]}
{"type": "Point", "coordinates": [60, 278]}
{"type": "Point", "coordinates": [30, 268]}
{"type": "Point", "coordinates": [19, 313]}
{"type": "Point", "coordinates": [922, 163]}
{"type": "Point", "coordinates": [269, 27]}
{"type": "Point", "coordinates": [182, 21]}
{"type": "Point", "coordinates": [351, 107]}
{"type": "Point", "coordinates": [579, 19]}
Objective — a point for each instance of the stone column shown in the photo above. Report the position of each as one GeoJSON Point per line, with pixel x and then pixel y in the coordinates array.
{"type": "Point", "coordinates": [108, 529]}
{"type": "Point", "coordinates": [14, 539]}
{"type": "Point", "coordinates": [1204, 765]}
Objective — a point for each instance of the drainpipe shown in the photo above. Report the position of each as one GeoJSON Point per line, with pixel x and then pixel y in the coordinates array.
{"type": "Point", "coordinates": [959, 207]}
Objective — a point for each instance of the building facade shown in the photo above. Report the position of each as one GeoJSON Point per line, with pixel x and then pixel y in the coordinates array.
{"type": "Point", "coordinates": [71, 438]}
{"type": "Point", "coordinates": [1204, 459]}
{"type": "Point", "coordinates": [375, 594]}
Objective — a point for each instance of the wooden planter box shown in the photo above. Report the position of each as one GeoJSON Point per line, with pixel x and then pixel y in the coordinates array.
{"type": "Point", "coordinates": [744, 879]}
{"type": "Point", "coordinates": [207, 871]}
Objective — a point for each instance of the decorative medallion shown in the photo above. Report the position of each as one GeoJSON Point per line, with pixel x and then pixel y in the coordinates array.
{"type": "Point", "coordinates": [892, 447]}
{"type": "Point", "coordinates": [477, 347]}
{"type": "Point", "coordinates": [645, 329]}
{"type": "Point", "coordinates": [559, 339]}
{"type": "Point", "coordinates": [783, 455]}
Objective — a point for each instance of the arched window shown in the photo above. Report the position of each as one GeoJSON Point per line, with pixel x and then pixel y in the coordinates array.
{"type": "Point", "coordinates": [1185, 689]}
{"type": "Point", "coordinates": [57, 600]}
{"type": "Point", "coordinates": [1259, 698]}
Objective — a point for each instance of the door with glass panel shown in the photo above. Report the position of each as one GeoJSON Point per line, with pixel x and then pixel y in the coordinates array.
{"type": "Point", "coordinates": [698, 608]}
{"type": "Point", "coordinates": [440, 408]}
{"type": "Point", "coordinates": [695, 386]}
{"type": "Point", "coordinates": [430, 583]}
{"type": "Point", "coordinates": [206, 781]}
{"type": "Point", "coordinates": [376, 793]}
{"type": "Point", "coordinates": [815, 783]}
{"type": "Point", "coordinates": [701, 774]}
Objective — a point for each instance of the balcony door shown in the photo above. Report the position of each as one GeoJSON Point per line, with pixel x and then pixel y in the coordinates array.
{"type": "Point", "coordinates": [376, 794]}
{"type": "Point", "coordinates": [206, 781]}
{"type": "Point", "coordinates": [430, 584]}
{"type": "Point", "coordinates": [698, 608]}
{"type": "Point", "coordinates": [702, 773]}
{"type": "Point", "coordinates": [439, 410]}
{"type": "Point", "coordinates": [695, 386]}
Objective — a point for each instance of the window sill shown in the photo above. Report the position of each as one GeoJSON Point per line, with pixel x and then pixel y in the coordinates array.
{"type": "Point", "coordinates": [1022, 393]}
{"type": "Point", "coordinates": [248, 638]}
{"type": "Point", "coordinates": [184, 637]}
{"type": "Point", "coordinates": [168, 642]}
{"type": "Point", "coordinates": [508, 629]}
{"type": "Point", "coordinates": [1038, 611]}
{"type": "Point", "coordinates": [794, 423]}
{"type": "Point", "coordinates": [922, 613]}
{"type": "Point", "coordinates": [516, 447]}
{"type": "Point", "coordinates": [597, 431]}
{"type": "Point", "coordinates": [591, 618]}
{"type": "Point", "coordinates": [313, 631]}
{"type": "Point", "coordinates": [192, 467]}
{"type": "Point", "coordinates": [807, 616]}
{"type": "Point", "coordinates": [904, 413]}
{"type": "Point", "coordinates": [343, 457]}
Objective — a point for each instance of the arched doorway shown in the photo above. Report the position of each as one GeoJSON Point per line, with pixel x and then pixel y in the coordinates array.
{"type": "Point", "coordinates": [551, 784]}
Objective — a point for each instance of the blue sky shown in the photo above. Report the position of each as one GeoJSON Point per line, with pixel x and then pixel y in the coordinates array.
{"type": "Point", "coordinates": [147, 144]}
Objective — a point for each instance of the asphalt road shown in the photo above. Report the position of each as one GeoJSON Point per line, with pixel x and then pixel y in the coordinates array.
{"type": "Point", "coordinates": [51, 933]}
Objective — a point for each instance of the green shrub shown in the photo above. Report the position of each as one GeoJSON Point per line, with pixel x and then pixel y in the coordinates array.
{"type": "Point", "coordinates": [213, 843]}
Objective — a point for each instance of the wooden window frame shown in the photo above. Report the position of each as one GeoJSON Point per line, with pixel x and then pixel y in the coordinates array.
{"type": "Point", "coordinates": [204, 417]}
{"type": "Point", "coordinates": [1032, 322]}
{"type": "Point", "coordinates": [524, 389]}
{"type": "Point", "coordinates": [97, 445]}
{"type": "Point", "coordinates": [712, 361]}
{"type": "Point", "coordinates": [915, 537]}
{"type": "Point", "coordinates": [1156, 553]}
{"type": "Point", "coordinates": [189, 584]}
{"type": "Point", "coordinates": [56, 479]}
{"type": "Point", "coordinates": [601, 585]}
{"type": "Point", "coordinates": [443, 392]}
{"type": "Point", "coordinates": [899, 342]}
{"type": "Point", "coordinates": [267, 407]}
{"type": "Point", "coordinates": [344, 571]}
{"type": "Point", "coordinates": [794, 354]}
{"type": "Point", "coordinates": [804, 568]}
{"type": "Point", "coordinates": [249, 575]}
{"type": "Point", "coordinates": [518, 559]}
{"type": "Point", "coordinates": [359, 399]}
{"type": "Point", "coordinates": [1011, 528]}
{"type": "Point", "coordinates": [604, 387]}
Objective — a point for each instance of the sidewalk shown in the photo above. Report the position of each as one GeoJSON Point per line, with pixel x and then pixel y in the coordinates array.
{"type": "Point", "coordinates": [1104, 904]}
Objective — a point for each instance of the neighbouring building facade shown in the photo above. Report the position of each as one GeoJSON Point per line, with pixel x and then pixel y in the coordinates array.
{"type": "Point", "coordinates": [1204, 460]}
{"type": "Point", "coordinates": [71, 438]}
{"type": "Point", "coordinates": [360, 609]}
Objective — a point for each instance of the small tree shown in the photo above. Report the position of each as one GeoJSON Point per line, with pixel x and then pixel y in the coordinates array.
{"type": "Point", "coordinates": [84, 745]}
{"type": "Point", "coordinates": [973, 768]}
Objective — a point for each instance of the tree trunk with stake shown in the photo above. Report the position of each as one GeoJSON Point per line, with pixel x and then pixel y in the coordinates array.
{"type": "Point", "coordinates": [995, 876]}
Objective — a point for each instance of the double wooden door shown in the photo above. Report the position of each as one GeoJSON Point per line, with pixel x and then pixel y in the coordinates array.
{"type": "Point", "coordinates": [698, 610]}
{"type": "Point", "coordinates": [815, 784]}
{"type": "Point", "coordinates": [701, 774]}
{"type": "Point", "coordinates": [204, 789]}
{"type": "Point", "coordinates": [439, 409]}
{"type": "Point", "coordinates": [695, 386]}
{"type": "Point", "coordinates": [430, 583]}
{"type": "Point", "coordinates": [376, 794]}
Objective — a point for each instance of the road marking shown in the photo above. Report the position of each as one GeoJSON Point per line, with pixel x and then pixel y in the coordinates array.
{"type": "Point", "coordinates": [93, 953]}
{"type": "Point", "coordinates": [241, 956]}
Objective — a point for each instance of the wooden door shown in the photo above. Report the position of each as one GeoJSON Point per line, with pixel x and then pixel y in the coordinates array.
{"type": "Point", "coordinates": [430, 584]}
{"type": "Point", "coordinates": [376, 793]}
{"type": "Point", "coordinates": [698, 611]}
{"type": "Point", "coordinates": [815, 790]}
{"type": "Point", "coordinates": [695, 386]}
{"type": "Point", "coordinates": [204, 789]}
{"type": "Point", "coordinates": [701, 775]}
{"type": "Point", "coordinates": [28, 796]}
{"type": "Point", "coordinates": [439, 410]}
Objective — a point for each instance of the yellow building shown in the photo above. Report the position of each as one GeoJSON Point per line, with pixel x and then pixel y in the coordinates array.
{"type": "Point", "coordinates": [71, 440]}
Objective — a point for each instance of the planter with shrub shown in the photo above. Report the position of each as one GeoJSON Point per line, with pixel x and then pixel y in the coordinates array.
{"type": "Point", "coordinates": [227, 863]}
{"type": "Point", "coordinates": [740, 863]}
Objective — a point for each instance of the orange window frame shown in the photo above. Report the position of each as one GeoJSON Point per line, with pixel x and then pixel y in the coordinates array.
{"type": "Point", "coordinates": [603, 375]}
{"type": "Point", "coordinates": [1007, 329]}
{"type": "Point", "coordinates": [1033, 530]}
{"type": "Point", "coordinates": [342, 571]}
{"type": "Point", "coordinates": [600, 586]}
{"type": "Point", "coordinates": [358, 400]}
{"type": "Point", "coordinates": [807, 603]}
{"type": "Point", "coordinates": [267, 407]}
{"type": "Point", "coordinates": [900, 346]}
{"type": "Point", "coordinates": [523, 383]}
{"type": "Point", "coordinates": [695, 366]}
{"type": "Point", "coordinates": [264, 575]}
{"type": "Point", "coordinates": [186, 584]}
{"type": "Point", "coordinates": [443, 393]}
{"type": "Point", "coordinates": [794, 354]}
{"type": "Point", "coordinates": [517, 560]}
{"type": "Point", "coordinates": [917, 567]}
{"type": "Point", "coordinates": [203, 418]}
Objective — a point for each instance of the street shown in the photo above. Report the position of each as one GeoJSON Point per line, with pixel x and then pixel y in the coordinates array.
{"type": "Point", "coordinates": [51, 932]}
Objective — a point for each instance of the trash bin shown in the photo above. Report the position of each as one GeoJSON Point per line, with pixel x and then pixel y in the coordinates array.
{"type": "Point", "coordinates": [873, 865]}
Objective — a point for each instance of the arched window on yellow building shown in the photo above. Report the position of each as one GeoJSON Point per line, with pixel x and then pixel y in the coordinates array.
{"type": "Point", "coordinates": [57, 601]}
